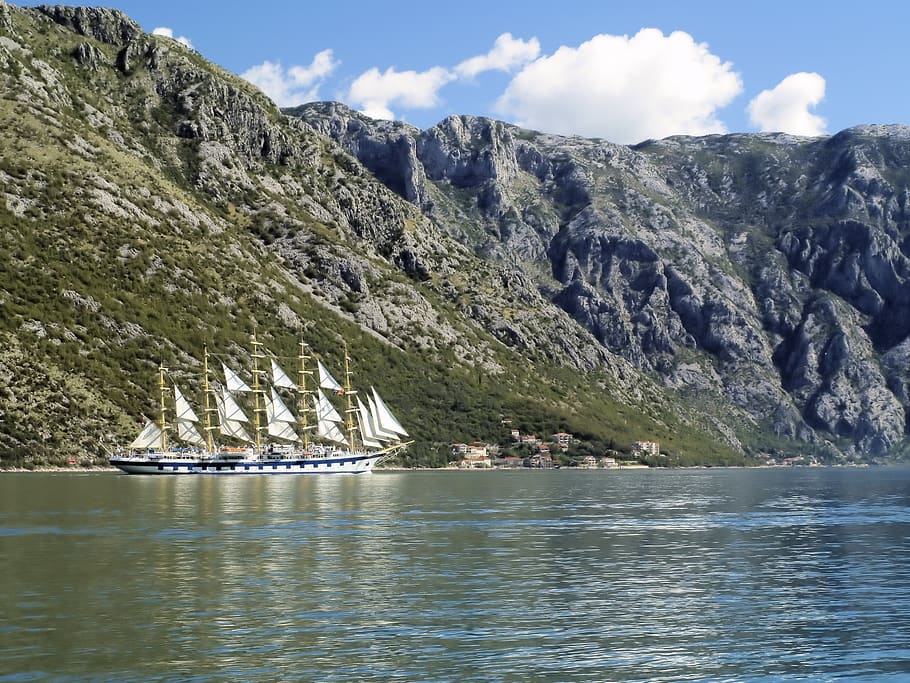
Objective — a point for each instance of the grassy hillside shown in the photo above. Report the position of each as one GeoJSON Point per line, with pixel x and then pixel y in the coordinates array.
{"type": "Point", "coordinates": [154, 204]}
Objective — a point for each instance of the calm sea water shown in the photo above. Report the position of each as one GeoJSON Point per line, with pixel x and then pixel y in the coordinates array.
{"type": "Point", "coordinates": [696, 575]}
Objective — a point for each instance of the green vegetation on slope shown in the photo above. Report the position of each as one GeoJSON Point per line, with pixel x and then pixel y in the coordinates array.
{"type": "Point", "coordinates": [124, 246]}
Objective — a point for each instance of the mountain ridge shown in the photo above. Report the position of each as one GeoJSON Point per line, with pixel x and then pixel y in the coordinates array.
{"type": "Point", "coordinates": [695, 245]}
{"type": "Point", "coordinates": [154, 203]}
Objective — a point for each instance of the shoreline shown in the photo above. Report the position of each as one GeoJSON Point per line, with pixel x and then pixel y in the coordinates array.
{"type": "Point", "coordinates": [101, 468]}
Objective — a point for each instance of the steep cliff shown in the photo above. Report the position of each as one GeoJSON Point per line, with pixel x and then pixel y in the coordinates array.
{"type": "Point", "coordinates": [764, 271]}
{"type": "Point", "coordinates": [154, 203]}
{"type": "Point", "coordinates": [723, 295]}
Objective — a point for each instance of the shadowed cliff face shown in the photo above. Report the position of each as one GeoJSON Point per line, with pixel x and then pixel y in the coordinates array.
{"type": "Point", "coordinates": [766, 270]}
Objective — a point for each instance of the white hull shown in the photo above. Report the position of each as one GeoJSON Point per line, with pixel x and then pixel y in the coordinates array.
{"type": "Point", "coordinates": [349, 463]}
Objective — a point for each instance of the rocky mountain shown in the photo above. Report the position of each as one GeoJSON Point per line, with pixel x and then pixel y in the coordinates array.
{"type": "Point", "coordinates": [724, 295]}
{"type": "Point", "coordinates": [766, 271]}
{"type": "Point", "coordinates": [154, 204]}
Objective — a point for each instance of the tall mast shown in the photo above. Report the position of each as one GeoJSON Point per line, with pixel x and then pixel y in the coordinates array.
{"type": "Point", "coordinates": [348, 391]}
{"type": "Point", "coordinates": [257, 400]}
{"type": "Point", "coordinates": [162, 422]}
{"type": "Point", "coordinates": [206, 391]}
{"type": "Point", "coordinates": [302, 390]}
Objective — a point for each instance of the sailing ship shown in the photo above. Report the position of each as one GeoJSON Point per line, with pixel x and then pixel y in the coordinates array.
{"type": "Point", "coordinates": [317, 440]}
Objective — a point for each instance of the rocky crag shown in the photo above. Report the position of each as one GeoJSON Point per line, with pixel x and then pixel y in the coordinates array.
{"type": "Point", "coordinates": [765, 271]}
{"type": "Point", "coordinates": [154, 203]}
{"type": "Point", "coordinates": [723, 295]}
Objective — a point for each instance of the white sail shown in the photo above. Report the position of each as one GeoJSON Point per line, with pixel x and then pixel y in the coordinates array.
{"type": "Point", "coordinates": [282, 430]}
{"type": "Point", "coordinates": [235, 429]}
{"type": "Point", "coordinates": [325, 410]}
{"type": "Point", "coordinates": [227, 426]}
{"type": "Point", "coordinates": [278, 411]}
{"type": "Point", "coordinates": [187, 432]}
{"type": "Point", "coordinates": [326, 381]}
{"type": "Point", "coordinates": [366, 429]}
{"type": "Point", "coordinates": [378, 431]}
{"type": "Point", "coordinates": [386, 420]}
{"type": "Point", "coordinates": [185, 417]}
{"type": "Point", "coordinates": [149, 437]}
{"type": "Point", "coordinates": [279, 418]}
{"type": "Point", "coordinates": [232, 411]}
{"type": "Point", "coordinates": [279, 378]}
{"type": "Point", "coordinates": [329, 430]}
{"type": "Point", "coordinates": [184, 412]}
{"type": "Point", "coordinates": [234, 383]}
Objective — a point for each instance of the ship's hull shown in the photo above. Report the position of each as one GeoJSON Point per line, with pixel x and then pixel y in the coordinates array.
{"type": "Point", "coordinates": [352, 463]}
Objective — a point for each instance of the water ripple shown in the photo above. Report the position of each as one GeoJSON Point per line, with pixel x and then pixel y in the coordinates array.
{"type": "Point", "coordinates": [725, 575]}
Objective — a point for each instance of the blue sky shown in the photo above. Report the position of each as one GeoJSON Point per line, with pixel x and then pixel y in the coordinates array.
{"type": "Point", "coordinates": [623, 71]}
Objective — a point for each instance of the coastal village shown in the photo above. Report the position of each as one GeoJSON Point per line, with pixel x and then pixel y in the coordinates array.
{"type": "Point", "coordinates": [551, 452]}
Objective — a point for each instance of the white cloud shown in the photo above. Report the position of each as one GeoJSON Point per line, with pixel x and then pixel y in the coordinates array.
{"type": "Point", "coordinates": [169, 33]}
{"type": "Point", "coordinates": [785, 108]}
{"type": "Point", "coordinates": [295, 86]}
{"type": "Point", "coordinates": [507, 53]}
{"type": "Point", "coordinates": [374, 92]}
{"type": "Point", "coordinates": [624, 89]}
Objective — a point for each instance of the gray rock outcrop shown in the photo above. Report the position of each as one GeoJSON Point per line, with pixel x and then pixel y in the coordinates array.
{"type": "Point", "coordinates": [773, 270]}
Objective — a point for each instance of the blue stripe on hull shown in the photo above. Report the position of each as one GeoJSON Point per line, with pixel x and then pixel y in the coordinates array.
{"type": "Point", "coordinates": [323, 466]}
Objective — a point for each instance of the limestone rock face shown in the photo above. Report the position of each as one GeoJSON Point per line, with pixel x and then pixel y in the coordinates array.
{"type": "Point", "coordinates": [90, 56]}
{"type": "Point", "coordinates": [104, 25]}
{"type": "Point", "coordinates": [771, 270]}
{"type": "Point", "coordinates": [171, 202]}
{"type": "Point", "coordinates": [735, 291]}
{"type": "Point", "coordinates": [387, 148]}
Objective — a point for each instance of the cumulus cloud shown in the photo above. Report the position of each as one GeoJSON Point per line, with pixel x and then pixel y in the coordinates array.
{"type": "Point", "coordinates": [785, 108]}
{"type": "Point", "coordinates": [507, 53]}
{"type": "Point", "coordinates": [169, 33]}
{"type": "Point", "coordinates": [293, 86]}
{"type": "Point", "coordinates": [374, 92]}
{"type": "Point", "coordinates": [624, 89]}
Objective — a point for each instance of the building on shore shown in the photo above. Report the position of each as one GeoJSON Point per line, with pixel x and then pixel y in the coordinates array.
{"type": "Point", "coordinates": [561, 439]}
{"type": "Point", "coordinates": [473, 455]}
{"type": "Point", "coordinates": [476, 462]}
{"type": "Point", "coordinates": [539, 461]}
{"type": "Point", "coordinates": [642, 448]}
